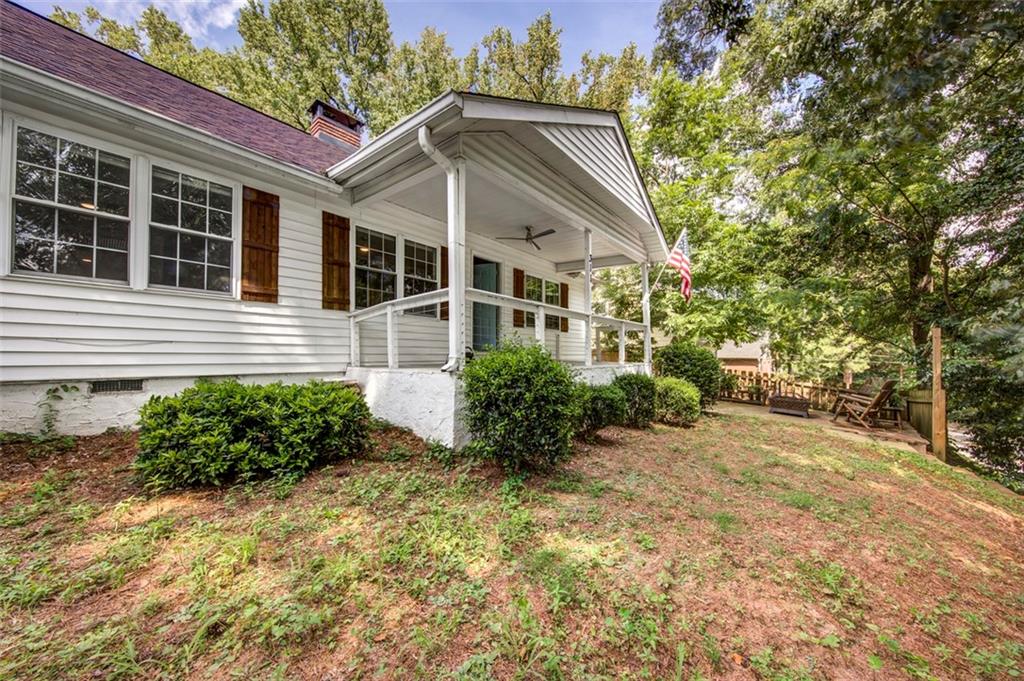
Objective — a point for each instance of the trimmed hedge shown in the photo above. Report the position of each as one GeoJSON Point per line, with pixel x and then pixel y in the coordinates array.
{"type": "Point", "coordinates": [520, 406]}
{"type": "Point", "coordinates": [676, 401]}
{"type": "Point", "coordinates": [218, 433]}
{"type": "Point", "coordinates": [600, 406]}
{"type": "Point", "coordinates": [639, 392]}
{"type": "Point", "coordinates": [699, 366]}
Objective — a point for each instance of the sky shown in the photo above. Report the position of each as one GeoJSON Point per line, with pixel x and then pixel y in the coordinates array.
{"type": "Point", "coordinates": [586, 25]}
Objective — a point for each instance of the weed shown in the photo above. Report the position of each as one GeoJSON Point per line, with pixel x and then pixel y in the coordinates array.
{"type": "Point", "coordinates": [645, 541]}
{"type": "Point", "coordinates": [843, 591]}
{"type": "Point", "coordinates": [725, 522]}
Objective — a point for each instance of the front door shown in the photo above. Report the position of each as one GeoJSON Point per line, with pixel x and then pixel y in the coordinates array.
{"type": "Point", "coordinates": [485, 317]}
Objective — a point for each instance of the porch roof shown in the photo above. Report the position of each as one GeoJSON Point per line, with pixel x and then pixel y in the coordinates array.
{"type": "Point", "coordinates": [538, 164]}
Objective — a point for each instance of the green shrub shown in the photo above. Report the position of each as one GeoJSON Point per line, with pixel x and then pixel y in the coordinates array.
{"type": "Point", "coordinates": [683, 359]}
{"type": "Point", "coordinates": [600, 406]}
{"type": "Point", "coordinates": [676, 401]}
{"type": "Point", "coordinates": [520, 406]}
{"type": "Point", "coordinates": [217, 433]}
{"type": "Point", "coordinates": [639, 392]}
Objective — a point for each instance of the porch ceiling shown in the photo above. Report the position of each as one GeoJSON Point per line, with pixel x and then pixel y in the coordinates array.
{"type": "Point", "coordinates": [499, 211]}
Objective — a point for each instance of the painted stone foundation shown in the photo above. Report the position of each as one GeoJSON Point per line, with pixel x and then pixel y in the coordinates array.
{"type": "Point", "coordinates": [81, 412]}
{"type": "Point", "coordinates": [426, 401]}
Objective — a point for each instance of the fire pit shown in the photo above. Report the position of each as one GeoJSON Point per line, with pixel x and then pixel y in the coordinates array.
{"type": "Point", "coordinates": [794, 405]}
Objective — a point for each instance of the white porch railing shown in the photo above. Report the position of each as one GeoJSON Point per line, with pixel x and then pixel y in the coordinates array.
{"type": "Point", "coordinates": [391, 309]}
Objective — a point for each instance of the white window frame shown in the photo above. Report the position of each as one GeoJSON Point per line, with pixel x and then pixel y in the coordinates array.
{"type": "Point", "coordinates": [421, 312]}
{"type": "Point", "coordinates": [399, 261]}
{"type": "Point", "coordinates": [236, 229]}
{"type": "Point", "coordinates": [529, 318]}
{"type": "Point", "coordinates": [139, 207]}
{"type": "Point", "coordinates": [8, 176]}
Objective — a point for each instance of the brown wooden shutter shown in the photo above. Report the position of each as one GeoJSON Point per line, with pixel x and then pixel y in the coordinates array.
{"type": "Point", "coordinates": [444, 279]}
{"type": "Point", "coordinates": [261, 218]}
{"type": "Point", "coordinates": [518, 291]}
{"type": "Point", "coordinates": [336, 264]}
{"type": "Point", "coordinates": [563, 322]}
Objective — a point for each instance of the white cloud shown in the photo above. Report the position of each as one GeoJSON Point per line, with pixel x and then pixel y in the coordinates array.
{"type": "Point", "coordinates": [199, 18]}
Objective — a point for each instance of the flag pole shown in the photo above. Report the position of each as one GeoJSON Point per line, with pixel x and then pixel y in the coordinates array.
{"type": "Point", "coordinates": [654, 288]}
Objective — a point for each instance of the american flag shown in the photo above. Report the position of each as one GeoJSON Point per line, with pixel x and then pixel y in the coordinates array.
{"type": "Point", "coordinates": [679, 260]}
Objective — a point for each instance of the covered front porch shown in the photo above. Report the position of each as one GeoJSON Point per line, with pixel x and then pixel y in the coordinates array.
{"type": "Point", "coordinates": [526, 201]}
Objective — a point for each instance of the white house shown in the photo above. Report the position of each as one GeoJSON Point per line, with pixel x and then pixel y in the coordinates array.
{"type": "Point", "coordinates": [153, 232]}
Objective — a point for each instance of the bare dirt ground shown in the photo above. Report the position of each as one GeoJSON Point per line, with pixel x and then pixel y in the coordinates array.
{"type": "Point", "coordinates": [743, 548]}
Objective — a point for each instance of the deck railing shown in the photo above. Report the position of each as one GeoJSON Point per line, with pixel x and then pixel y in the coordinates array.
{"type": "Point", "coordinates": [390, 310]}
{"type": "Point", "coordinates": [757, 387]}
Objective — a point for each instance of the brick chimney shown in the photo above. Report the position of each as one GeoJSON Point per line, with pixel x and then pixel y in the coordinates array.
{"type": "Point", "coordinates": [334, 125]}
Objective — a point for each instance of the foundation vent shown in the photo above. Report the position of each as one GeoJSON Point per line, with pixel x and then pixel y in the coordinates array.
{"type": "Point", "coordinates": [121, 385]}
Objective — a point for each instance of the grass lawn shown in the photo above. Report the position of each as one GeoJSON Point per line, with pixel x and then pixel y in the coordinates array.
{"type": "Point", "coordinates": [742, 548]}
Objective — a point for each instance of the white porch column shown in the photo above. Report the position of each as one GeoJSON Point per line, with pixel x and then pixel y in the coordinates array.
{"type": "Point", "coordinates": [456, 264]}
{"type": "Point", "coordinates": [622, 343]}
{"type": "Point", "coordinates": [539, 326]}
{"type": "Point", "coordinates": [588, 272]}
{"type": "Point", "coordinates": [646, 288]}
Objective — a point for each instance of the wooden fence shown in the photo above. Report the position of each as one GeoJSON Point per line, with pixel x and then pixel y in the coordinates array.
{"type": "Point", "coordinates": [919, 411]}
{"type": "Point", "coordinates": [756, 387]}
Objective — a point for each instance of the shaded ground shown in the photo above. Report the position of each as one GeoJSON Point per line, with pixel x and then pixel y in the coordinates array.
{"type": "Point", "coordinates": [744, 548]}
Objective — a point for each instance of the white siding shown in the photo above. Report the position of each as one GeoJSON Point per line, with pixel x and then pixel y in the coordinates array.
{"type": "Point", "coordinates": [66, 330]}
{"type": "Point", "coordinates": [57, 330]}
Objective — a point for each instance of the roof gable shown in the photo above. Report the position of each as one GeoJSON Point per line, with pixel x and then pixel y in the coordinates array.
{"type": "Point", "coordinates": [47, 46]}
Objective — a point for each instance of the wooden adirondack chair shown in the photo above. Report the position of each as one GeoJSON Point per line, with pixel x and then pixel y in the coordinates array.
{"type": "Point", "coordinates": [866, 410]}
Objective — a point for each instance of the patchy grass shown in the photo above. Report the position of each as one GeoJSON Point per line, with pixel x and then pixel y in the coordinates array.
{"type": "Point", "coordinates": [740, 548]}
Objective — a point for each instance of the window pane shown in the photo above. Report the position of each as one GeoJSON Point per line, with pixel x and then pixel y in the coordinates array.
{"type": "Point", "coordinates": [551, 294]}
{"type": "Point", "coordinates": [114, 169]}
{"type": "Point", "coordinates": [220, 196]}
{"type": "Point", "coordinates": [36, 183]}
{"type": "Point", "coordinates": [534, 287]}
{"type": "Point", "coordinates": [192, 248]}
{"type": "Point", "coordinates": [218, 279]}
{"type": "Point", "coordinates": [33, 255]}
{"type": "Point", "coordinates": [193, 217]}
{"type": "Point", "coordinates": [74, 227]}
{"type": "Point", "coordinates": [74, 260]}
{"type": "Point", "coordinates": [112, 199]}
{"type": "Point", "coordinates": [36, 147]}
{"type": "Point", "coordinates": [112, 265]}
{"type": "Point", "coordinates": [191, 275]}
{"type": "Point", "coordinates": [111, 234]}
{"type": "Point", "coordinates": [218, 252]}
{"type": "Point", "coordinates": [163, 242]}
{"type": "Point", "coordinates": [220, 223]}
{"type": "Point", "coordinates": [163, 272]}
{"type": "Point", "coordinates": [165, 211]}
{"type": "Point", "coordinates": [76, 191]}
{"type": "Point", "coordinates": [361, 298]}
{"type": "Point", "coordinates": [77, 158]}
{"type": "Point", "coordinates": [193, 189]}
{"type": "Point", "coordinates": [32, 220]}
{"type": "Point", "coordinates": [165, 182]}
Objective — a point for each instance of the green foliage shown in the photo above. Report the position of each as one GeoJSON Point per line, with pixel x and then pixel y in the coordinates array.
{"type": "Point", "coordinates": [520, 406]}
{"type": "Point", "coordinates": [699, 366]}
{"type": "Point", "coordinates": [600, 406]}
{"type": "Point", "coordinates": [639, 392]}
{"type": "Point", "coordinates": [676, 401]}
{"type": "Point", "coordinates": [217, 433]}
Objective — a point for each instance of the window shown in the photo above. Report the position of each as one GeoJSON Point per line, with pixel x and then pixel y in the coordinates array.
{"type": "Point", "coordinates": [70, 208]}
{"type": "Point", "coordinates": [534, 290]}
{"type": "Point", "coordinates": [420, 275]}
{"type": "Point", "coordinates": [552, 297]}
{"type": "Point", "coordinates": [376, 278]}
{"type": "Point", "coordinates": [190, 232]}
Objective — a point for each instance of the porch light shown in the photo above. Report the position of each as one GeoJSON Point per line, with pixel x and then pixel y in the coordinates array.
{"type": "Point", "coordinates": [88, 206]}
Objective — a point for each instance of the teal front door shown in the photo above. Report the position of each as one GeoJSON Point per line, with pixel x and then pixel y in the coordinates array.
{"type": "Point", "coordinates": [485, 317]}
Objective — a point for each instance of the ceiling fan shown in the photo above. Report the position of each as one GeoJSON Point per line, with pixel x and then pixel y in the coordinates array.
{"type": "Point", "coordinates": [530, 237]}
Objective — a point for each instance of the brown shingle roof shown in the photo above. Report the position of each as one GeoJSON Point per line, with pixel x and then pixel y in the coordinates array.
{"type": "Point", "coordinates": [35, 41]}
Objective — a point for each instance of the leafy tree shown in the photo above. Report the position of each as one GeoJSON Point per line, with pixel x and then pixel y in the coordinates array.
{"type": "Point", "coordinates": [154, 38]}
{"type": "Point", "coordinates": [295, 51]}
{"type": "Point", "coordinates": [692, 33]}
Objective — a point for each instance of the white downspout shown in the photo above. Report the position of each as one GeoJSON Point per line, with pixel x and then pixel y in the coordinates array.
{"type": "Point", "coordinates": [455, 173]}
